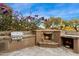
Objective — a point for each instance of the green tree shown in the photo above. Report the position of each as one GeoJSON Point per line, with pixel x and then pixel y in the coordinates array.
{"type": "Point", "coordinates": [75, 24]}
{"type": "Point", "coordinates": [53, 22]}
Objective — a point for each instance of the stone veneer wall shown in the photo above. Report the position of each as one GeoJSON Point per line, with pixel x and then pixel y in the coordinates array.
{"type": "Point", "coordinates": [57, 37]}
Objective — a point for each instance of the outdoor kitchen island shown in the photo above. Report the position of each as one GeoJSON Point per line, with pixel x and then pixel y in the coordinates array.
{"type": "Point", "coordinates": [12, 42]}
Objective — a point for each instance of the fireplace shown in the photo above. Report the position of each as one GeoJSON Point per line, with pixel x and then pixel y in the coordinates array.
{"type": "Point", "coordinates": [48, 38]}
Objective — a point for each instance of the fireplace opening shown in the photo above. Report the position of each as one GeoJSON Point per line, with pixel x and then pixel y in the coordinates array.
{"type": "Point", "coordinates": [47, 36]}
{"type": "Point", "coordinates": [67, 42]}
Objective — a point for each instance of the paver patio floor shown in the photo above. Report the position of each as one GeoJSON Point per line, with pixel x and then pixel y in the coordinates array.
{"type": "Point", "coordinates": [41, 51]}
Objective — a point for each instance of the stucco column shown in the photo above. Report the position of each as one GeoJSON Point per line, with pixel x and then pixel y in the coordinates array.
{"type": "Point", "coordinates": [76, 45]}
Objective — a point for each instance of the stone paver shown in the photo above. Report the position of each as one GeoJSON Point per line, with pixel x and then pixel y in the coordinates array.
{"type": "Point", "coordinates": [41, 51]}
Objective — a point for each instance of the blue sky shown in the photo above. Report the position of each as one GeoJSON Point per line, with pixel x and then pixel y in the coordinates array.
{"type": "Point", "coordinates": [63, 10]}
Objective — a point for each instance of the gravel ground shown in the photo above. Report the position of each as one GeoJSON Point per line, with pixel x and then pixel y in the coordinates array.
{"type": "Point", "coordinates": [41, 51]}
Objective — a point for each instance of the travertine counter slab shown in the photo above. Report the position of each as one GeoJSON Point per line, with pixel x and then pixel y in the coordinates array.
{"type": "Point", "coordinates": [70, 36]}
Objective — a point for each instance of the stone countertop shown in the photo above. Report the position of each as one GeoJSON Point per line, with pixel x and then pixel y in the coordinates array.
{"type": "Point", "coordinates": [9, 37]}
{"type": "Point", "coordinates": [70, 36]}
{"type": "Point", "coordinates": [26, 36]}
{"type": "Point", "coordinates": [48, 30]}
{"type": "Point", "coordinates": [5, 37]}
